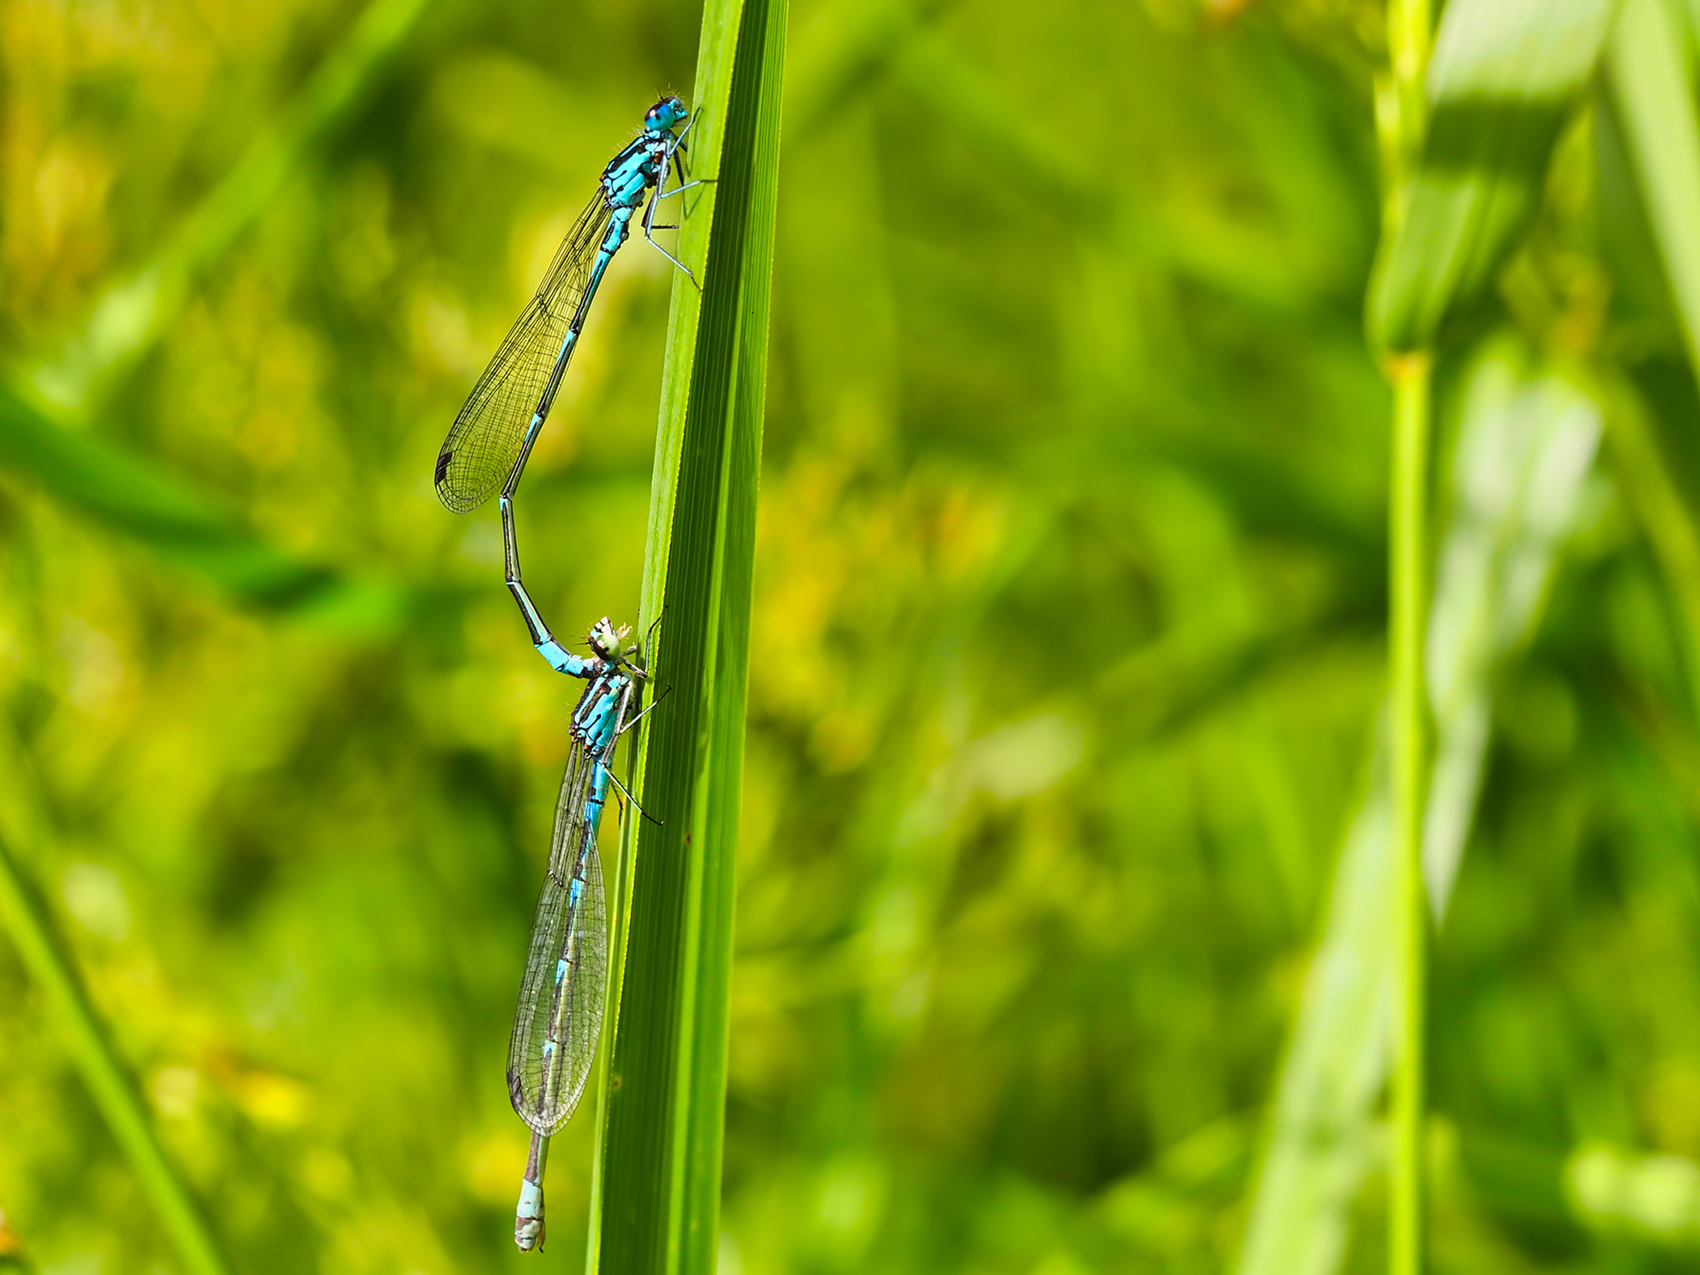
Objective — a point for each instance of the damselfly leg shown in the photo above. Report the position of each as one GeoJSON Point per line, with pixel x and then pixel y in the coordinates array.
{"type": "Point", "coordinates": [672, 163]}
{"type": "Point", "coordinates": [624, 792]}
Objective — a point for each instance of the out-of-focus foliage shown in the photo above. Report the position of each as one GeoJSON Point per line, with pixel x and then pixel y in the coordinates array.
{"type": "Point", "coordinates": [1067, 649]}
{"type": "Point", "coordinates": [1505, 76]}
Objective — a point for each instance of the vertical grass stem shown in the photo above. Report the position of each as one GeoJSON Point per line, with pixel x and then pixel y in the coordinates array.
{"type": "Point", "coordinates": [110, 1085]}
{"type": "Point", "coordinates": [1401, 122]}
{"type": "Point", "coordinates": [1409, 622]}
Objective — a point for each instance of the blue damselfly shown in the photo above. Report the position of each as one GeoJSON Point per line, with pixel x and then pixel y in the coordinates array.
{"type": "Point", "coordinates": [491, 438]}
{"type": "Point", "coordinates": [562, 992]}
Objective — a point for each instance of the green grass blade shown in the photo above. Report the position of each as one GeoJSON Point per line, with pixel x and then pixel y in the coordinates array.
{"type": "Point", "coordinates": [179, 524]}
{"type": "Point", "coordinates": [656, 1198]}
{"type": "Point", "coordinates": [131, 314]}
{"type": "Point", "coordinates": [1527, 443]}
{"type": "Point", "coordinates": [1653, 89]}
{"type": "Point", "coordinates": [702, 1073]}
{"type": "Point", "coordinates": [108, 1081]}
{"type": "Point", "coordinates": [713, 85]}
{"type": "Point", "coordinates": [1505, 74]}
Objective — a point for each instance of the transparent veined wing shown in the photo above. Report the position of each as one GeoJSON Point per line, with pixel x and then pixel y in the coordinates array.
{"type": "Point", "coordinates": [484, 441]}
{"type": "Point", "coordinates": [566, 967]}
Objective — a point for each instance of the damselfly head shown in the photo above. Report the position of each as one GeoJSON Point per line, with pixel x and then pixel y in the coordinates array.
{"type": "Point", "coordinates": [668, 113]}
{"type": "Point", "coordinates": [605, 639]}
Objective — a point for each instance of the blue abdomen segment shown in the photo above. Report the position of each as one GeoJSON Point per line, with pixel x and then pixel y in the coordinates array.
{"type": "Point", "coordinates": [562, 660]}
{"type": "Point", "coordinates": [599, 792]}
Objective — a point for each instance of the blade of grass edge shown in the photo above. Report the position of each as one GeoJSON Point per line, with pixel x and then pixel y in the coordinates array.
{"type": "Point", "coordinates": [1402, 128]}
{"type": "Point", "coordinates": [656, 1185]}
{"type": "Point", "coordinates": [1408, 713]}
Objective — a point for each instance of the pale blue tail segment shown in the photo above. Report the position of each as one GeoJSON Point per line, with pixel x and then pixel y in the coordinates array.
{"type": "Point", "coordinates": [528, 1216]}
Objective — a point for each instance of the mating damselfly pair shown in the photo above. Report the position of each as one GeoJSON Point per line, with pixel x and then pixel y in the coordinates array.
{"type": "Point", "coordinates": [562, 991]}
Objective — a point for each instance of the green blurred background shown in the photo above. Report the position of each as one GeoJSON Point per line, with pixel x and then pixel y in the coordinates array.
{"type": "Point", "coordinates": [1060, 911]}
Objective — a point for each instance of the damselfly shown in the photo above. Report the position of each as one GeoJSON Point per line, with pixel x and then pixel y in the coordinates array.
{"type": "Point", "coordinates": [491, 438]}
{"type": "Point", "coordinates": [566, 967]}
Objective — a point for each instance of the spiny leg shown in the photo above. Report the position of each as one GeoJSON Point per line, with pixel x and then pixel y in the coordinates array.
{"type": "Point", "coordinates": [628, 796]}
{"type": "Point", "coordinates": [672, 159]}
{"type": "Point", "coordinates": [668, 194]}
{"type": "Point", "coordinates": [677, 154]}
{"type": "Point", "coordinates": [645, 713]}
{"type": "Point", "coordinates": [649, 225]}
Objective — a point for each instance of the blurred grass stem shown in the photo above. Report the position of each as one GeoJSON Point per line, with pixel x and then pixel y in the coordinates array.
{"type": "Point", "coordinates": [1409, 622]}
{"type": "Point", "coordinates": [1401, 119]}
{"type": "Point", "coordinates": [105, 1076]}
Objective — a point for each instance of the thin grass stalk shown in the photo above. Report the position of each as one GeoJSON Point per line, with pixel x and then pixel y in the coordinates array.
{"type": "Point", "coordinates": [108, 1079]}
{"type": "Point", "coordinates": [1401, 119]}
{"type": "Point", "coordinates": [658, 1181]}
{"type": "Point", "coordinates": [1409, 622]}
